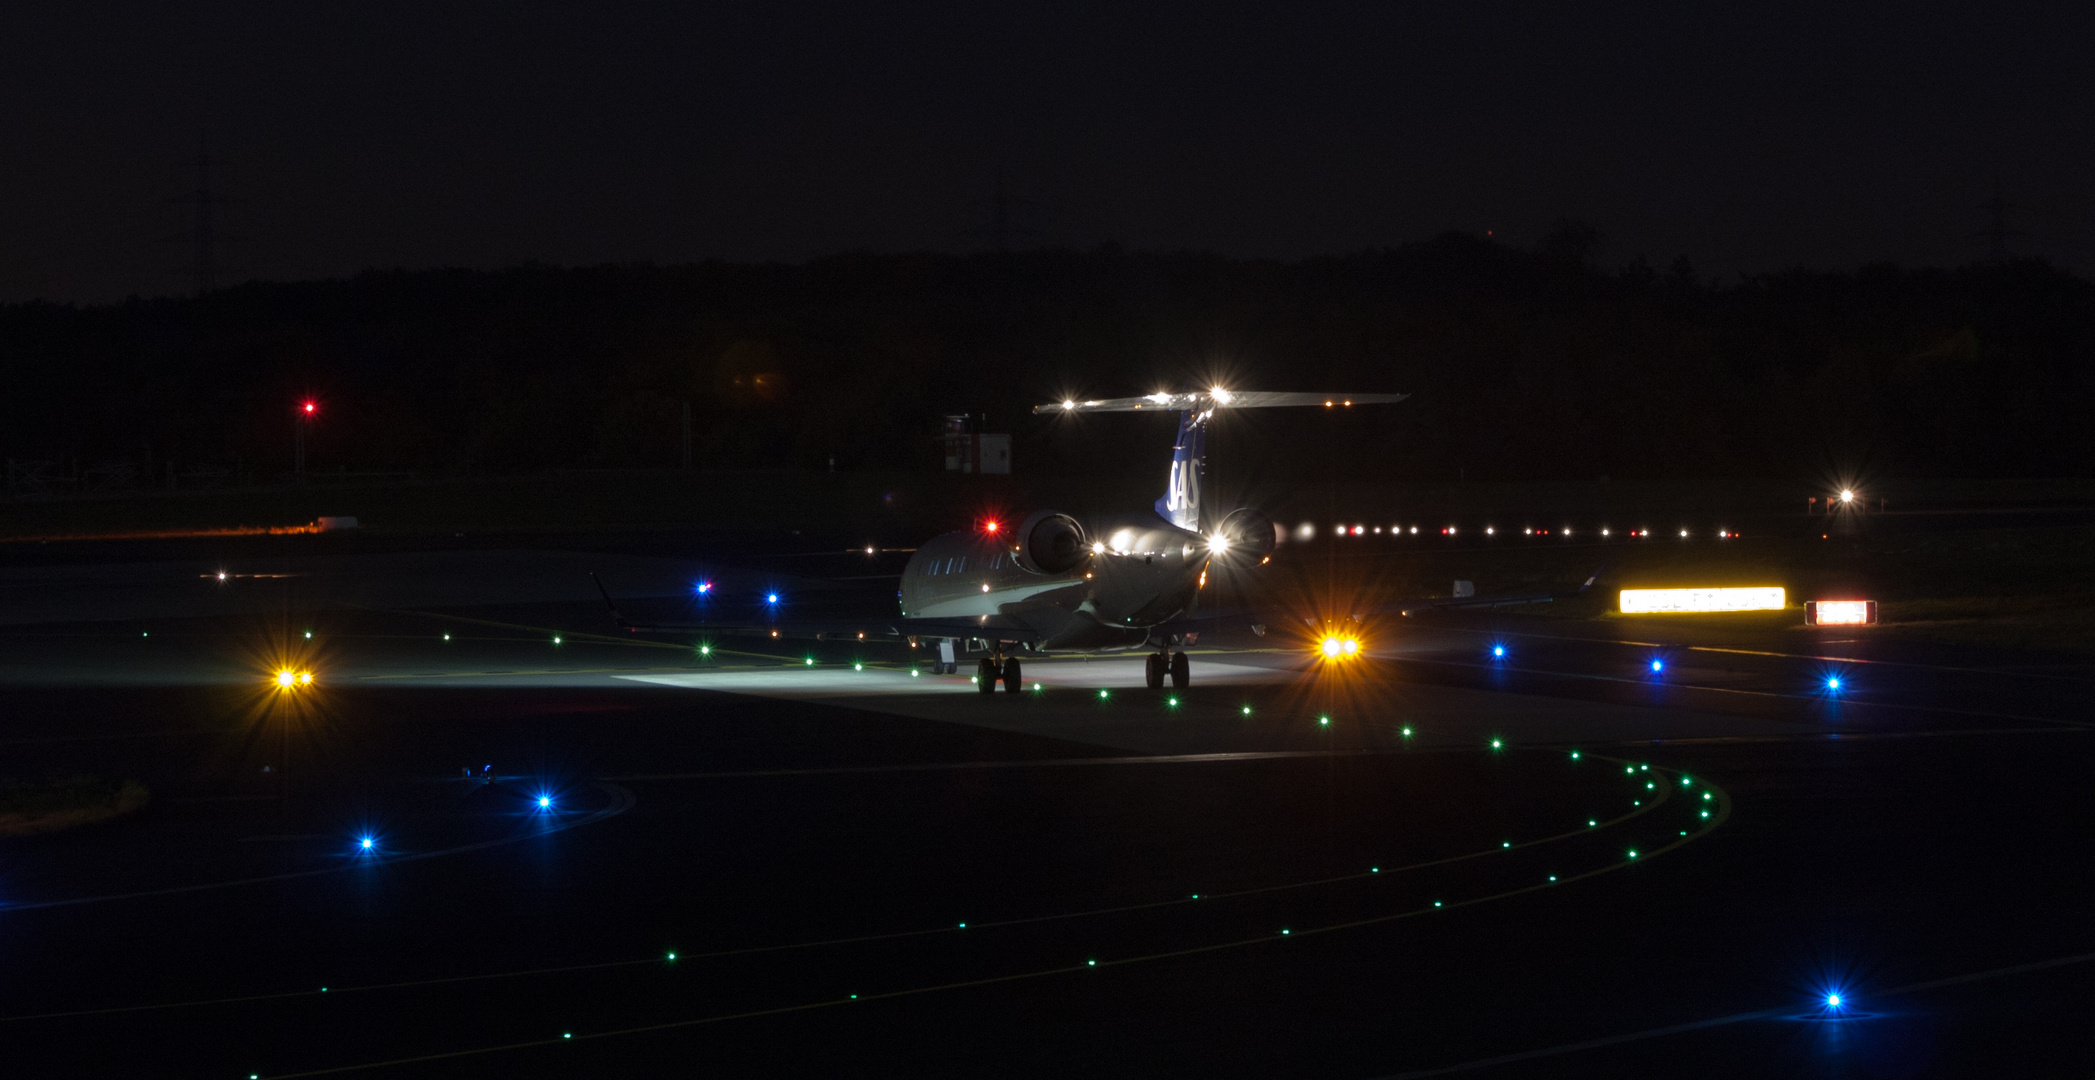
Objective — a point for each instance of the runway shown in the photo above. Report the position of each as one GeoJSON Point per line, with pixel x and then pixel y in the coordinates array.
{"type": "Point", "coordinates": [1440, 857]}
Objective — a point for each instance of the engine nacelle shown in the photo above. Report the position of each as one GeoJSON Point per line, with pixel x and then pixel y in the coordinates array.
{"type": "Point", "coordinates": [1050, 543]}
{"type": "Point", "coordinates": [1250, 533]}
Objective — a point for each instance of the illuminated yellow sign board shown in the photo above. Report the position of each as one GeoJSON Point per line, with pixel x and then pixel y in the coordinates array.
{"type": "Point", "coordinates": [1673, 601]}
{"type": "Point", "coordinates": [1840, 612]}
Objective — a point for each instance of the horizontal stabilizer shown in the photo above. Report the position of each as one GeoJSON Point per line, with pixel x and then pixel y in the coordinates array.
{"type": "Point", "coordinates": [1201, 400]}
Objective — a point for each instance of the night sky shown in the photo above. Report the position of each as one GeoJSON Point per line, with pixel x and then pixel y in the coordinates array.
{"type": "Point", "coordinates": [1746, 137]}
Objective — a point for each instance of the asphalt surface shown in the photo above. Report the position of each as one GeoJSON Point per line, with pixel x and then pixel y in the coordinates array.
{"type": "Point", "coordinates": [1371, 845]}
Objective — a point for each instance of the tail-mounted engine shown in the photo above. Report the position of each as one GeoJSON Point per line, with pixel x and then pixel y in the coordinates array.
{"type": "Point", "coordinates": [1251, 534]}
{"type": "Point", "coordinates": [1050, 543]}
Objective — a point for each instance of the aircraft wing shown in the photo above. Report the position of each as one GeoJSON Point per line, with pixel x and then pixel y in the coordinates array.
{"type": "Point", "coordinates": [1215, 399]}
{"type": "Point", "coordinates": [887, 628]}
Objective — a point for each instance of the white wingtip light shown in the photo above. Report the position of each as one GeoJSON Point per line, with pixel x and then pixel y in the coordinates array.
{"type": "Point", "coordinates": [1220, 395]}
{"type": "Point", "coordinates": [1068, 405]}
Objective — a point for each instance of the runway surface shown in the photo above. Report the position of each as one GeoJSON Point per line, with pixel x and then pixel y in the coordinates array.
{"type": "Point", "coordinates": [1553, 861]}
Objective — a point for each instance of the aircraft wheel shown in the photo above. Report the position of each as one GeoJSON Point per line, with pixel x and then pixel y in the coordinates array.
{"type": "Point", "coordinates": [1013, 679]}
{"type": "Point", "coordinates": [1153, 672]}
{"type": "Point", "coordinates": [1181, 671]}
{"type": "Point", "coordinates": [985, 676]}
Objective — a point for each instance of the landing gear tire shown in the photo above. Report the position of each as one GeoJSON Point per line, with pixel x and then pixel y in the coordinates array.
{"type": "Point", "coordinates": [985, 676]}
{"type": "Point", "coordinates": [1153, 672]}
{"type": "Point", "coordinates": [1013, 679]}
{"type": "Point", "coordinates": [1181, 671]}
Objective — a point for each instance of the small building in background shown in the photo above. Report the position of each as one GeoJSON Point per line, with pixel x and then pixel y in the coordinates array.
{"type": "Point", "coordinates": [969, 450]}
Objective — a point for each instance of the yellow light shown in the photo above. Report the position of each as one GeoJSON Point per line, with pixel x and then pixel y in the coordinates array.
{"type": "Point", "coordinates": [1352, 647]}
{"type": "Point", "coordinates": [286, 679]}
{"type": "Point", "coordinates": [305, 678]}
{"type": "Point", "coordinates": [1333, 647]}
{"type": "Point", "coordinates": [1674, 601]}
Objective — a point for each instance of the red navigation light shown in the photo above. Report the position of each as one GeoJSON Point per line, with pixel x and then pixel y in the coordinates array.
{"type": "Point", "coordinates": [989, 526]}
{"type": "Point", "coordinates": [309, 408]}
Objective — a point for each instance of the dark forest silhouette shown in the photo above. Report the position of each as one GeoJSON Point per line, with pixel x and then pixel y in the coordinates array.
{"type": "Point", "coordinates": [1525, 364]}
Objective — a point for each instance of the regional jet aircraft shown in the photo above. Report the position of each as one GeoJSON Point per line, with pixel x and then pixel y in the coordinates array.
{"type": "Point", "coordinates": [1055, 584]}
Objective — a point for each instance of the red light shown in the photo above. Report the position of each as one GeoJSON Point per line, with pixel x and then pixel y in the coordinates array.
{"type": "Point", "coordinates": [309, 407]}
{"type": "Point", "coordinates": [990, 527]}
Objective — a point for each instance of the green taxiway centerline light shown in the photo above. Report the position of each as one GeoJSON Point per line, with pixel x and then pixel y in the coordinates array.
{"type": "Point", "coordinates": [1324, 720]}
{"type": "Point", "coordinates": [309, 635]}
{"type": "Point", "coordinates": [556, 639]}
{"type": "Point", "coordinates": [705, 650]}
{"type": "Point", "coordinates": [1633, 853]}
{"type": "Point", "coordinates": [1436, 903]}
{"type": "Point", "coordinates": [1407, 733]}
{"type": "Point", "coordinates": [1574, 755]}
{"type": "Point", "coordinates": [1505, 843]}
{"type": "Point", "coordinates": [1553, 877]}
{"type": "Point", "coordinates": [1498, 744]}
{"type": "Point", "coordinates": [811, 661]}
{"type": "Point", "coordinates": [1173, 702]}
{"type": "Point", "coordinates": [1102, 695]}
{"type": "Point", "coordinates": [447, 637]}
{"type": "Point", "coordinates": [1592, 823]}
{"type": "Point", "coordinates": [1036, 686]}
{"type": "Point", "coordinates": [672, 956]}
{"type": "Point", "coordinates": [1090, 963]}
{"type": "Point", "coordinates": [858, 667]}
{"type": "Point", "coordinates": [1247, 710]}
{"type": "Point", "coordinates": [913, 673]}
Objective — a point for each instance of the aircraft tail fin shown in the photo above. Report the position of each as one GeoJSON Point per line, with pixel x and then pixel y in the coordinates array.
{"type": "Point", "coordinates": [1181, 502]}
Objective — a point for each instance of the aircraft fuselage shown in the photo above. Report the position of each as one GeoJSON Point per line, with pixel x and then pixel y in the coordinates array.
{"type": "Point", "coordinates": [1147, 573]}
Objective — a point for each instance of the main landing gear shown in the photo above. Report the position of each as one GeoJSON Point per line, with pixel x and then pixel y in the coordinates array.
{"type": "Point", "coordinates": [988, 671]}
{"type": "Point", "coordinates": [1164, 661]}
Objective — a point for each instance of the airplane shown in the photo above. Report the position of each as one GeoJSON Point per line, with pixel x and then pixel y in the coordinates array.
{"type": "Point", "coordinates": [1054, 584]}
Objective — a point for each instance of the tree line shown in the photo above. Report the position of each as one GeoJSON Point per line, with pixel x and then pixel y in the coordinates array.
{"type": "Point", "coordinates": [1523, 363]}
